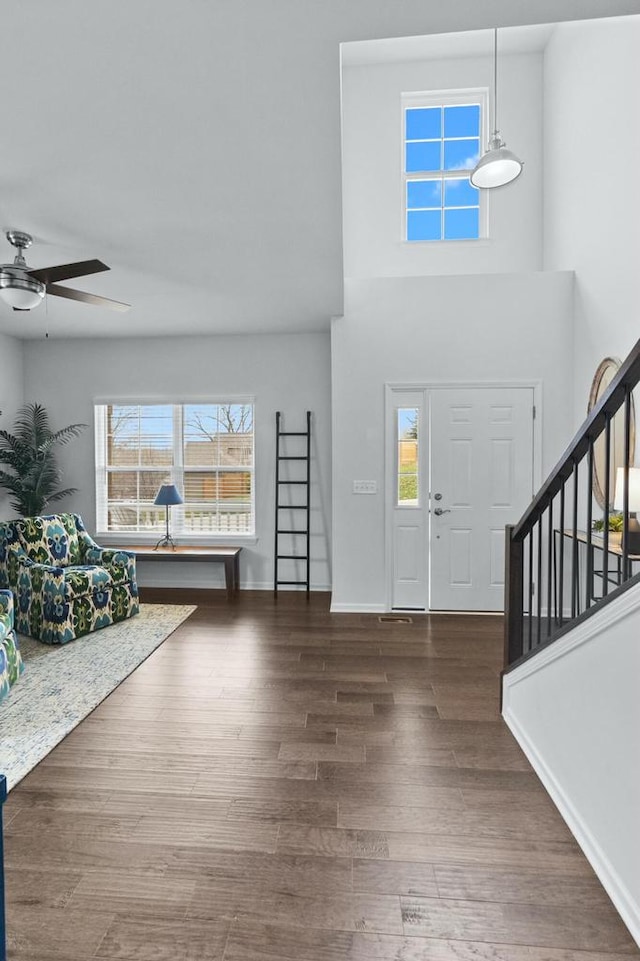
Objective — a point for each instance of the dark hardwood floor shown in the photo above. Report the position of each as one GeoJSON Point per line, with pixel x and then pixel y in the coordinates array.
{"type": "Point", "coordinates": [276, 782]}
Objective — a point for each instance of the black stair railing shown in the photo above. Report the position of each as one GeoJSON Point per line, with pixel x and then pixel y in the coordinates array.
{"type": "Point", "coordinates": [558, 569]}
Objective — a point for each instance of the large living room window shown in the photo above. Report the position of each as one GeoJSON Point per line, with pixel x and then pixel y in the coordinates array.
{"type": "Point", "coordinates": [205, 449]}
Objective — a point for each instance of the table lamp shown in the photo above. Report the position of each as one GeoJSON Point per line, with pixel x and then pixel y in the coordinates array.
{"type": "Point", "coordinates": [166, 497]}
{"type": "Point", "coordinates": [633, 540]}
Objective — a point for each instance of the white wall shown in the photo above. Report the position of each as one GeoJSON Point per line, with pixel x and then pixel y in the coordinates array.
{"type": "Point", "coordinates": [560, 706]}
{"type": "Point", "coordinates": [372, 169]}
{"type": "Point", "coordinates": [515, 327]}
{"type": "Point", "coordinates": [592, 191]}
{"type": "Point", "coordinates": [284, 372]}
{"type": "Point", "coordinates": [11, 395]}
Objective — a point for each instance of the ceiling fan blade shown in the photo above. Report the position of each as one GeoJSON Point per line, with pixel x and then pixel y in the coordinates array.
{"type": "Point", "coordinates": [50, 275]}
{"type": "Point", "coordinates": [72, 294]}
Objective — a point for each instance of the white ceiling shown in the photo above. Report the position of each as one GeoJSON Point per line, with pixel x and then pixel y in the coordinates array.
{"type": "Point", "coordinates": [194, 146]}
{"type": "Point", "coordinates": [476, 43]}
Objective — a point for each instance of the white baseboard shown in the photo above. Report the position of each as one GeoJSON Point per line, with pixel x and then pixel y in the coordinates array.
{"type": "Point", "coordinates": [622, 898]}
{"type": "Point", "coordinates": [268, 586]}
{"type": "Point", "coordinates": [338, 608]}
{"type": "Point", "coordinates": [627, 605]}
{"type": "Point", "coordinates": [202, 584]}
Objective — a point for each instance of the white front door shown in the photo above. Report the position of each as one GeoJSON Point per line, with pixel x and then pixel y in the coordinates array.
{"type": "Point", "coordinates": [481, 478]}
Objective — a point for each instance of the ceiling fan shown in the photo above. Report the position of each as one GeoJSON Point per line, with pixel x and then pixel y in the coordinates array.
{"type": "Point", "coordinates": [23, 288]}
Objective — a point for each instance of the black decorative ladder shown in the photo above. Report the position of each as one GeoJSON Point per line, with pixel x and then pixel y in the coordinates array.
{"type": "Point", "coordinates": [295, 533]}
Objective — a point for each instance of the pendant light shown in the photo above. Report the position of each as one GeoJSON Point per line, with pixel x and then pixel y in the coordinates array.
{"type": "Point", "coordinates": [498, 166]}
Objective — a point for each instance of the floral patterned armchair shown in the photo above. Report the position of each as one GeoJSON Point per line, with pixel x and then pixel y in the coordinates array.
{"type": "Point", "coordinates": [64, 584]}
{"type": "Point", "coordinates": [11, 666]}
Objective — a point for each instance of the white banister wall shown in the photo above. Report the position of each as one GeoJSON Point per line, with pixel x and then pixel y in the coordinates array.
{"type": "Point", "coordinates": [575, 710]}
{"type": "Point", "coordinates": [599, 238]}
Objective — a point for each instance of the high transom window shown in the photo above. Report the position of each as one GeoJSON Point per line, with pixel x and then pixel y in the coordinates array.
{"type": "Point", "coordinates": [442, 143]}
{"type": "Point", "coordinates": [205, 449]}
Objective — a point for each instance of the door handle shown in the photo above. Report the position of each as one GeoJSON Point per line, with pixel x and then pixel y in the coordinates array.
{"type": "Point", "coordinates": [439, 510]}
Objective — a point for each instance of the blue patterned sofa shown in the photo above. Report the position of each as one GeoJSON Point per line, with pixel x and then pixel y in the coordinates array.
{"type": "Point", "coordinates": [11, 666]}
{"type": "Point", "coordinates": [64, 584]}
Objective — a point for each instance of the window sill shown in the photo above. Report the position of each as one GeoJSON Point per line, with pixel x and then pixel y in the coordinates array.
{"type": "Point", "coordinates": [478, 242]}
{"type": "Point", "coordinates": [185, 540]}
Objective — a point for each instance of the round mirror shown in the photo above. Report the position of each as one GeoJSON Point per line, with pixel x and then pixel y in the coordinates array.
{"type": "Point", "coordinates": [605, 373]}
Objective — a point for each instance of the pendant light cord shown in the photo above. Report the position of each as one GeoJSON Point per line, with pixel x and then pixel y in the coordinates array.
{"type": "Point", "coordinates": [495, 81]}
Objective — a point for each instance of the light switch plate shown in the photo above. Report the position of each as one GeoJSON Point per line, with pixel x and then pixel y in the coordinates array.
{"type": "Point", "coordinates": [365, 487]}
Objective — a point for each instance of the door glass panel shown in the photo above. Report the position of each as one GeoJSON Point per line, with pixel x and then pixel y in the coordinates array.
{"type": "Point", "coordinates": [407, 432]}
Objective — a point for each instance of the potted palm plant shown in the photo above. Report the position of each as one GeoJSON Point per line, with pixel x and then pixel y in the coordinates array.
{"type": "Point", "coordinates": [33, 477]}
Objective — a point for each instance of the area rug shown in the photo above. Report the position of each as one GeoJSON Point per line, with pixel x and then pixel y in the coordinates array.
{"type": "Point", "coordinates": [61, 684]}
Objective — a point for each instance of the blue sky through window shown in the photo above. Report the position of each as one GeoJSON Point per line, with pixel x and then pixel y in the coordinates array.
{"type": "Point", "coordinates": [461, 224]}
{"type": "Point", "coordinates": [424, 225]}
{"type": "Point", "coordinates": [447, 209]}
{"type": "Point", "coordinates": [424, 193]}
{"type": "Point", "coordinates": [439, 141]}
{"type": "Point", "coordinates": [424, 123]}
{"type": "Point", "coordinates": [462, 121]}
{"type": "Point", "coordinates": [407, 421]}
{"type": "Point", "coordinates": [424, 155]}
{"type": "Point", "coordinates": [460, 193]}
{"type": "Point", "coordinates": [461, 154]}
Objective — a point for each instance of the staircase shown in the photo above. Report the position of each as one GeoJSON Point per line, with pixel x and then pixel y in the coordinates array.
{"type": "Point", "coordinates": [571, 678]}
{"type": "Point", "coordinates": [559, 572]}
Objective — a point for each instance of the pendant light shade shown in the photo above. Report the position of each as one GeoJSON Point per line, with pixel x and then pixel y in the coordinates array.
{"type": "Point", "coordinates": [498, 166]}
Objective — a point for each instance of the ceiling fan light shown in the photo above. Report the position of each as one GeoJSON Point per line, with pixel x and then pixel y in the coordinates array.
{"type": "Point", "coordinates": [497, 167]}
{"type": "Point", "coordinates": [23, 293]}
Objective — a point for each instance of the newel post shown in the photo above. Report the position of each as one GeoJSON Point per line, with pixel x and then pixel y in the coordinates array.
{"type": "Point", "coordinates": [513, 603]}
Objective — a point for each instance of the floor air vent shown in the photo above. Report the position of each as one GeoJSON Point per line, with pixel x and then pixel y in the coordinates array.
{"type": "Point", "coordinates": [395, 619]}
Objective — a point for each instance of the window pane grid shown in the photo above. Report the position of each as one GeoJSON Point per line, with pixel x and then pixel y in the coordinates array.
{"type": "Point", "coordinates": [442, 209]}
{"type": "Point", "coordinates": [207, 450]}
{"type": "Point", "coordinates": [436, 139]}
{"type": "Point", "coordinates": [441, 141]}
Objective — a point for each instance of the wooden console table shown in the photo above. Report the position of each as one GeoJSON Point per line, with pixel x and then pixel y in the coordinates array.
{"type": "Point", "coordinates": [229, 556]}
{"type": "Point", "coordinates": [594, 543]}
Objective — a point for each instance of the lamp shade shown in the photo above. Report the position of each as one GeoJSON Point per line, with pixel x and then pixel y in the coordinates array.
{"type": "Point", "coordinates": [634, 489]}
{"type": "Point", "coordinates": [497, 167]}
{"type": "Point", "coordinates": [168, 495]}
